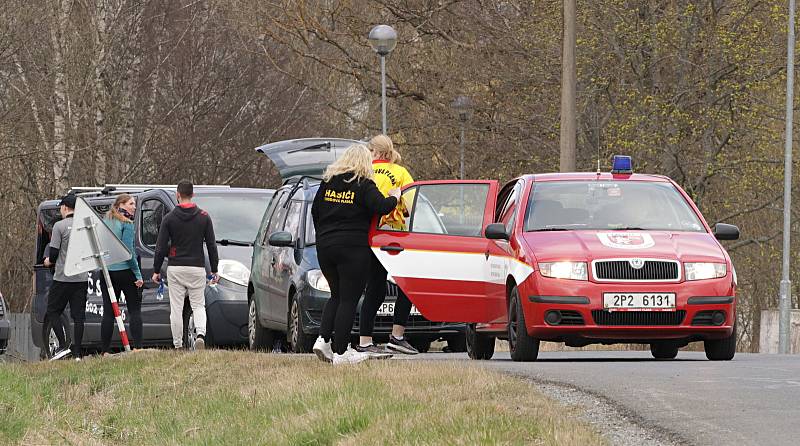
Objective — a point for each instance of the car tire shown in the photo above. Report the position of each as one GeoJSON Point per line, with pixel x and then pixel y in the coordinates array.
{"type": "Point", "coordinates": [663, 350]}
{"type": "Point", "coordinates": [422, 345]}
{"type": "Point", "coordinates": [479, 346]}
{"type": "Point", "coordinates": [258, 338]}
{"type": "Point", "coordinates": [50, 340]}
{"type": "Point", "coordinates": [522, 346]}
{"type": "Point", "coordinates": [457, 344]}
{"type": "Point", "coordinates": [189, 333]}
{"type": "Point", "coordinates": [299, 341]}
{"type": "Point", "coordinates": [721, 349]}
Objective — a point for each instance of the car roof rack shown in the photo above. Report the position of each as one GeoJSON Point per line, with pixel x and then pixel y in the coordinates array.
{"type": "Point", "coordinates": [115, 189]}
{"type": "Point", "coordinates": [304, 178]}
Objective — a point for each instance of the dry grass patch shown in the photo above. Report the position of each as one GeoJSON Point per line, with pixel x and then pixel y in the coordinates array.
{"type": "Point", "coordinates": [226, 397]}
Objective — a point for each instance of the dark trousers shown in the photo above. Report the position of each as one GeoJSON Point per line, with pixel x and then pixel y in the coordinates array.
{"type": "Point", "coordinates": [61, 294]}
{"type": "Point", "coordinates": [374, 297]}
{"type": "Point", "coordinates": [343, 267]}
{"type": "Point", "coordinates": [123, 281]}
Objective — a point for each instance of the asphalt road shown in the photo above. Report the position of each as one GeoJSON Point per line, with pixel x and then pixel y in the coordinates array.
{"type": "Point", "coordinates": [753, 399]}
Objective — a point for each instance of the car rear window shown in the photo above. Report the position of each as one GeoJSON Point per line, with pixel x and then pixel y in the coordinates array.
{"type": "Point", "coordinates": [609, 205]}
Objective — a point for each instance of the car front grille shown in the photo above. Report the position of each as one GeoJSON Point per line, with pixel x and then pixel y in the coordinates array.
{"type": "Point", "coordinates": [384, 323]}
{"type": "Point", "coordinates": [392, 289]}
{"type": "Point", "coordinates": [638, 318]}
{"type": "Point", "coordinates": [652, 270]}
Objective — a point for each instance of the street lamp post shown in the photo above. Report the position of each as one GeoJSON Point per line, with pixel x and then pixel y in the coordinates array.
{"type": "Point", "coordinates": [383, 39]}
{"type": "Point", "coordinates": [785, 301]}
{"type": "Point", "coordinates": [463, 107]}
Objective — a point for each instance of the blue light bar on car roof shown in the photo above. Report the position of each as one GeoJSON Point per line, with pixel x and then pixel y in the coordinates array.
{"type": "Point", "coordinates": [621, 164]}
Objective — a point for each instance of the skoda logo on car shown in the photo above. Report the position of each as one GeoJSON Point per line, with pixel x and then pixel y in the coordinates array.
{"type": "Point", "coordinates": [636, 263]}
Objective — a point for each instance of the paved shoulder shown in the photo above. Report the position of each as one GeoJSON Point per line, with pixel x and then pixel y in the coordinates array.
{"type": "Point", "coordinates": [754, 399]}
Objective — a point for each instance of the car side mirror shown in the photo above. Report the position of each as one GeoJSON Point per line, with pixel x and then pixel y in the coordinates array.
{"type": "Point", "coordinates": [281, 238]}
{"type": "Point", "coordinates": [496, 231]}
{"type": "Point", "coordinates": [724, 231]}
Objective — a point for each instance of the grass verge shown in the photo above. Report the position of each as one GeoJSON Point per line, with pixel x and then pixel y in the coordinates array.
{"type": "Point", "coordinates": [228, 397]}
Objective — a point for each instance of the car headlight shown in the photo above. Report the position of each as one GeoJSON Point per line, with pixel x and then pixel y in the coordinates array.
{"type": "Point", "coordinates": [234, 271]}
{"type": "Point", "coordinates": [705, 270]}
{"type": "Point", "coordinates": [564, 270]}
{"type": "Point", "coordinates": [318, 281]}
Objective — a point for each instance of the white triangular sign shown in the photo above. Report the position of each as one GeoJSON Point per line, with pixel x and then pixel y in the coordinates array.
{"type": "Point", "coordinates": [81, 253]}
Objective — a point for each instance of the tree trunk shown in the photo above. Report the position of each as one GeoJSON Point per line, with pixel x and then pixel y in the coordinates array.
{"type": "Point", "coordinates": [62, 157]}
{"type": "Point", "coordinates": [128, 94]}
{"type": "Point", "coordinates": [100, 39]}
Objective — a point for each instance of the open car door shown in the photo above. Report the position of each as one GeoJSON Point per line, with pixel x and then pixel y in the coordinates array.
{"type": "Point", "coordinates": [440, 257]}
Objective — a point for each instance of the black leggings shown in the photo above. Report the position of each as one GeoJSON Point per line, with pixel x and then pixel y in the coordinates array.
{"type": "Point", "coordinates": [123, 281]}
{"type": "Point", "coordinates": [374, 297]}
{"type": "Point", "coordinates": [61, 294]}
{"type": "Point", "coordinates": [343, 267]}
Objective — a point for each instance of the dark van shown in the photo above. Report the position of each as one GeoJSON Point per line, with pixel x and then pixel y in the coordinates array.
{"type": "Point", "coordinates": [236, 213]}
{"type": "Point", "coordinates": [287, 290]}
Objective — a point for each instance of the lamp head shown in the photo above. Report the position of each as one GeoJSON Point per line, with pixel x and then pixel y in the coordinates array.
{"type": "Point", "coordinates": [383, 39]}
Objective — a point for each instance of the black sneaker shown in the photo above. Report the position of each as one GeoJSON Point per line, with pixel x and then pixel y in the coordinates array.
{"type": "Point", "coordinates": [401, 346]}
{"type": "Point", "coordinates": [374, 351]}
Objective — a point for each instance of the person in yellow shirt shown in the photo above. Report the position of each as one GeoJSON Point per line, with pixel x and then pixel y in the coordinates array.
{"type": "Point", "coordinates": [389, 174]}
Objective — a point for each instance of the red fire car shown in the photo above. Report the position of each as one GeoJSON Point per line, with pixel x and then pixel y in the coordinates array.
{"type": "Point", "coordinates": [579, 258]}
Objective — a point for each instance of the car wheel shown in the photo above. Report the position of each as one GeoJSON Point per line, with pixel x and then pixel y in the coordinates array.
{"type": "Point", "coordinates": [51, 345]}
{"type": "Point", "coordinates": [721, 349]}
{"type": "Point", "coordinates": [299, 341]}
{"type": "Point", "coordinates": [522, 346]}
{"type": "Point", "coordinates": [664, 350]}
{"type": "Point", "coordinates": [479, 346]}
{"type": "Point", "coordinates": [457, 344]}
{"type": "Point", "coordinates": [422, 345]}
{"type": "Point", "coordinates": [258, 337]}
{"type": "Point", "coordinates": [189, 333]}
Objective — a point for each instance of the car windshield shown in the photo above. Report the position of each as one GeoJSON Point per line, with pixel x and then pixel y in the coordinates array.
{"type": "Point", "coordinates": [236, 217]}
{"type": "Point", "coordinates": [609, 205]}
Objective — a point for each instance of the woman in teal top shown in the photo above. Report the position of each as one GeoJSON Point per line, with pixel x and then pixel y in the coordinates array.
{"type": "Point", "coordinates": [125, 276]}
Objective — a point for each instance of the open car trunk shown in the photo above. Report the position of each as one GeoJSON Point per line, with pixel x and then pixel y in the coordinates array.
{"type": "Point", "coordinates": [305, 156]}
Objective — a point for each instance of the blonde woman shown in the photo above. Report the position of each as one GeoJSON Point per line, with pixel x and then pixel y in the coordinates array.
{"type": "Point", "coordinates": [389, 174]}
{"type": "Point", "coordinates": [343, 208]}
{"type": "Point", "coordinates": [125, 276]}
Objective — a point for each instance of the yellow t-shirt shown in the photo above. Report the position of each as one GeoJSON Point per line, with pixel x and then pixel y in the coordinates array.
{"type": "Point", "coordinates": [387, 177]}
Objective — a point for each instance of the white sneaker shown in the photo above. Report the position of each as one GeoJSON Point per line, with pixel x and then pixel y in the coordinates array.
{"type": "Point", "coordinates": [350, 356]}
{"type": "Point", "coordinates": [200, 343]}
{"type": "Point", "coordinates": [323, 350]}
{"type": "Point", "coordinates": [61, 354]}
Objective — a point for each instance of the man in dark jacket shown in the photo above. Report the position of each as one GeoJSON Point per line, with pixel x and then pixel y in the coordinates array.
{"type": "Point", "coordinates": [182, 234]}
{"type": "Point", "coordinates": [65, 289]}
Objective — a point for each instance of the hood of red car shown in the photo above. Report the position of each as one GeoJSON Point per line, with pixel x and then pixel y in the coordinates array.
{"type": "Point", "coordinates": [591, 245]}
